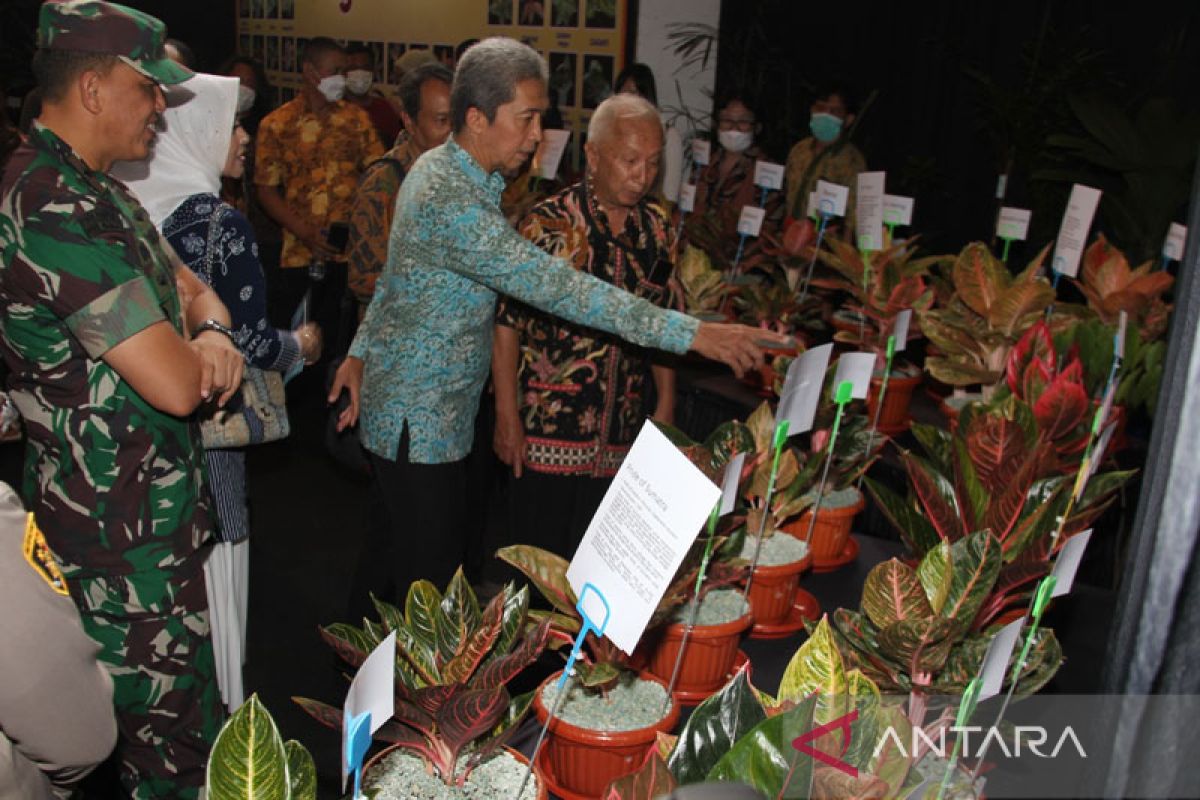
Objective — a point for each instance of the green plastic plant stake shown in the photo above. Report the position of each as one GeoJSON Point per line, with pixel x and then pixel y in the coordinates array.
{"type": "Point", "coordinates": [965, 709]}
{"type": "Point", "coordinates": [1004, 253]}
{"type": "Point", "coordinates": [695, 604]}
{"type": "Point", "coordinates": [781, 435]}
{"type": "Point", "coordinates": [841, 397]}
{"type": "Point", "coordinates": [890, 354]}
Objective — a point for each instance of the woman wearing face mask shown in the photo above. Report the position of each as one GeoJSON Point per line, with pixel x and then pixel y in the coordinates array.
{"type": "Point", "coordinates": [360, 77]}
{"type": "Point", "coordinates": [827, 153]}
{"type": "Point", "coordinates": [726, 185]}
{"type": "Point", "coordinates": [201, 141]}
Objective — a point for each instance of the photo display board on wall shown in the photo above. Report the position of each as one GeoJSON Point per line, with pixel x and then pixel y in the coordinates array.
{"type": "Point", "coordinates": [582, 40]}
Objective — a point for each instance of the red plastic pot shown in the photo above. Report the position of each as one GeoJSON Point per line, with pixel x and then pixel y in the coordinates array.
{"type": "Point", "coordinates": [579, 763]}
{"type": "Point", "coordinates": [711, 651]}
{"type": "Point", "coordinates": [894, 417]}
{"type": "Point", "coordinates": [830, 533]}
{"type": "Point", "coordinates": [773, 591]}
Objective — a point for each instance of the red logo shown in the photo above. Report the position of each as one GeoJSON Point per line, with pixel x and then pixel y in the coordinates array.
{"type": "Point", "coordinates": [344, 5]}
{"type": "Point", "coordinates": [842, 723]}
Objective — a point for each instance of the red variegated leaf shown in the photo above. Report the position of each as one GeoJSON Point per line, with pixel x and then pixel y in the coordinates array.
{"type": "Point", "coordinates": [1007, 504]}
{"type": "Point", "coordinates": [394, 732]}
{"type": "Point", "coordinates": [653, 779]}
{"type": "Point", "coordinates": [469, 715]}
{"type": "Point", "coordinates": [323, 713]}
{"type": "Point", "coordinates": [936, 497]}
{"type": "Point", "coordinates": [997, 447]}
{"type": "Point", "coordinates": [1036, 345]}
{"type": "Point", "coordinates": [893, 592]}
{"type": "Point", "coordinates": [430, 698]}
{"type": "Point", "coordinates": [478, 642]}
{"type": "Point", "coordinates": [979, 278]}
{"type": "Point", "coordinates": [351, 644]}
{"type": "Point", "coordinates": [500, 670]}
{"type": "Point", "coordinates": [1064, 405]}
{"type": "Point", "coordinates": [974, 565]}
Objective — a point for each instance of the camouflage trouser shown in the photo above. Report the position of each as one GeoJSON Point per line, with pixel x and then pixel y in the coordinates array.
{"type": "Point", "coordinates": [152, 628]}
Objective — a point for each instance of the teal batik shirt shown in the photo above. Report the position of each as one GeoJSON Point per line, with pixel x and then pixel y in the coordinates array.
{"type": "Point", "coordinates": [426, 340]}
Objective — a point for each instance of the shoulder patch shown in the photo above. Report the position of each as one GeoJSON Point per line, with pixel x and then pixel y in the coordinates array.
{"type": "Point", "coordinates": [38, 554]}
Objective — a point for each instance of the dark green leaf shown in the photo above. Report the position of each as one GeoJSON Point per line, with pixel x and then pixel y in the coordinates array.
{"type": "Point", "coordinates": [713, 727]}
{"type": "Point", "coordinates": [766, 759]}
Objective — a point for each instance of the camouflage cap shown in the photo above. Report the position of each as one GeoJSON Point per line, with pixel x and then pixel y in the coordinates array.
{"type": "Point", "coordinates": [99, 27]}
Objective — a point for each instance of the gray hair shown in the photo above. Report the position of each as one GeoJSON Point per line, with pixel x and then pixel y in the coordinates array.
{"type": "Point", "coordinates": [487, 77]}
{"type": "Point", "coordinates": [620, 106]}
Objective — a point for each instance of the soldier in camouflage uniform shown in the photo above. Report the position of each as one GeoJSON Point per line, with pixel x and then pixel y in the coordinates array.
{"type": "Point", "coordinates": [111, 344]}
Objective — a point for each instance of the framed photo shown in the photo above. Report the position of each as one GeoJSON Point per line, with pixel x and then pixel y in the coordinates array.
{"type": "Point", "coordinates": [601, 14]}
{"type": "Point", "coordinates": [272, 59]}
{"type": "Point", "coordinates": [597, 79]}
{"type": "Point", "coordinates": [394, 51]}
{"type": "Point", "coordinates": [287, 9]}
{"type": "Point", "coordinates": [564, 13]}
{"type": "Point", "coordinates": [500, 12]}
{"type": "Point", "coordinates": [562, 80]}
{"type": "Point", "coordinates": [533, 12]}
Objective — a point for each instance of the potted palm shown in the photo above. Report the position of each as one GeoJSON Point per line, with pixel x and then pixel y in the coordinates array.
{"type": "Point", "coordinates": [880, 287]}
{"type": "Point", "coordinates": [453, 712]}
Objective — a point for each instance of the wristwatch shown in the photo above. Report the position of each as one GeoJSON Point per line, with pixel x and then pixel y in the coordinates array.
{"type": "Point", "coordinates": [213, 325]}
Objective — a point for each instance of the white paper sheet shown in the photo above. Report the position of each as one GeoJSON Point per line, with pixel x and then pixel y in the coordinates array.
{"type": "Point", "coordinates": [1176, 242]}
{"type": "Point", "coordinates": [856, 368]}
{"type": "Point", "coordinates": [1068, 562]}
{"type": "Point", "coordinates": [1013, 223]}
{"type": "Point", "coordinates": [729, 485]}
{"type": "Point", "coordinates": [768, 175]}
{"type": "Point", "coordinates": [550, 152]}
{"type": "Point", "coordinates": [701, 151]}
{"type": "Point", "coordinates": [802, 389]}
{"type": "Point", "coordinates": [897, 209]}
{"type": "Point", "coordinates": [832, 199]}
{"type": "Point", "coordinates": [868, 203]}
{"type": "Point", "coordinates": [900, 329]}
{"type": "Point", "coordinates": [654, 509]}
{"type": "Point", "coordinates": [1073, 233]}
{"type": "Point", "coordinates": [371, 690]}
{"type": "Point", "coordinates": [687, 197]}
{"type": "Point", "coordinates": [751, 220]}
{"type": "Point", "coordinates": [995, 661]}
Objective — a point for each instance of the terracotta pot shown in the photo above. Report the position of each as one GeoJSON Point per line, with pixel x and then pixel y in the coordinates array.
{"type": "Point", "coordinates": [831, 531]}
{"type": "Point", "coordinates": [577, 762]}
{"type": "Point", "coordinates": [711, 651]}
{"type": "Point", "coordinates": [894, 418]}
{"type": "Point", "coordinates": [773, 591]}
{"type": "Point", "coordinates": [543, 793]}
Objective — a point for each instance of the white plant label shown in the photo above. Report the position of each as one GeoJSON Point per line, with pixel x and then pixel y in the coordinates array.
{"type": "Point", "coordinates": [856, 368]}
{"type": "Point", "coordinates": [1072, 234]}
{"type": "Point", "coordinates": [832, 199]}
{"type": "Point", "coordinates": [868, 207]}
{"type": "Point", "coordinates": [1119, 339]}
{"type": "Point", "coordinates": [729, 484]}
{"type": "Point", "coordinates": [701, 151]}
{"type": "Point", "coordinates": [550, 153]}
{"type": "Point", "coordinates": [810, 210]}
{"type": "Point", "coordinates": [751, 220]}
{"type": "Point", "coordinates": [995, 661]}
{"type": "Point", "coordinates": [1013, 223]}
{"type": "Point", "coordinates": [687, 197]}
{"type": "Point", "coordinates": [1068, 562]}
{"type": "Point", "coordinates": [768, 175]}
{"type": "Point", "coordinates": [1176, 241]}
{"type": "Point", "coordinates": [897, 210]}
{"type": "Point", "coordinates": [900, 329]}
{"type": "Point", "coordinates": [651, 514]}
{"type": "Point", "coordinates": [802, 388]}
{"type": "Point", "coordinates": [1001, 186]}
{"type": "Point", "coordinates": [372, 690]}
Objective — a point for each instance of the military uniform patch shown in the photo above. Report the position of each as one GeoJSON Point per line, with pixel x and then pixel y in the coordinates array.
{"type": "Point", "coordinates": [38, 554]}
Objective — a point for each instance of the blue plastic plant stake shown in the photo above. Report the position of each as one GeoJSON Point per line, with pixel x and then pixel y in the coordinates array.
{"type": "Point", "coordinates": [588, 625]}
{"type": "Point", "coordinates": [841, 396]}
{"type": "Point", "coordinates": [358, 740]}
{"type": "Point", "coordinates": [824, 215]}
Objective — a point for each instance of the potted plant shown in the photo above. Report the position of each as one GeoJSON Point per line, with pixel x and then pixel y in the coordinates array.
{"type": "Point", "coordinates": [997, 470]}
{"type": "Point", "coordinates": [598, 733]}
{"type": "Point", "coordinates": [704, 288]}
{"type": "Point", "coordinates": [1111, 287]}
{"type": "Point", "coordinates": [453, 712]}
{"type": "Point", "coordinates": [985, 311]}
{"type": "Point", "coordinates": [888, 282]}
{"type": "Point", "coordinates": [249, 759]}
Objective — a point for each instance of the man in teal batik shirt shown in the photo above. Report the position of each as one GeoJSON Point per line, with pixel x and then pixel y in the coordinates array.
{"type": "Point", "coordinates": [421, 356]}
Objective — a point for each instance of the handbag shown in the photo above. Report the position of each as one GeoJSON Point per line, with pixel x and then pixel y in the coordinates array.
{"type": "Point", "coordinates": [258, 412]}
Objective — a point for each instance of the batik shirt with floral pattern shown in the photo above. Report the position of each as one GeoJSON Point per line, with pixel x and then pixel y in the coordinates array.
{"type": "Point", "coordinates": [725, 195]}
{"type": "Point", "coordinates": [839, 163]}
{"type": "Point", "coordinates": [426, 341]}
{"type": "Point", "coordinates": [315, 158]}
{"type": "Point", "coordinates": [582, 392]}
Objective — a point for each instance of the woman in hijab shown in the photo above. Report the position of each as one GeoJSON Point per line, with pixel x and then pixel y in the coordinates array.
{"type": "Point", "coordinates": [179, 186]}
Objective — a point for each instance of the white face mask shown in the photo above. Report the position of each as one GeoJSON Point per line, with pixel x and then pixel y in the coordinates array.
{"type": "Point", "coordinates": [245, 99]}
{"type": "Point", "coordinates": [332, 88]}
{"type": "Point", "coordinates": [358, 81]}
{"type": "Point", "coordinates": [735, 141]}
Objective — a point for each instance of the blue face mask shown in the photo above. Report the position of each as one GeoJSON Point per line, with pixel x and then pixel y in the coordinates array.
{"type": "Point", "coordinates": [826, 127]}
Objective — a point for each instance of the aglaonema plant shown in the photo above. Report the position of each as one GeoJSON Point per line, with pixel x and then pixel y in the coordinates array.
{"type": "Point", "coordinates": [453, 662]}
{"type": "Point", "coordinates": [250, 760]}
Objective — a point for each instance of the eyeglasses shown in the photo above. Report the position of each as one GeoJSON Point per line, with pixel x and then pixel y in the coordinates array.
{"type": "Point", "coordinates": [741, 124]}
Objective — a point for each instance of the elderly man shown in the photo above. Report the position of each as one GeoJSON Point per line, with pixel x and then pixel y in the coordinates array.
{"type": "Point", "coordinates": [422, 353]}
{"type": "Point", "coordinates": [570, 400]}
{"type": "Point", "coordinates": [106, 362]}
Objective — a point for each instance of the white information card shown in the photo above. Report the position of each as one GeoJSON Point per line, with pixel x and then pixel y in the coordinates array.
{"type": "Point", "coordinates": [751, 220]}
{"type": "Point", "coordinates": [832, 199]}
{"type": "Point", "coordinates": [768, 175]}
{"type": "Point", "coordinates": [1072, 234]}
{"type": "Point", "coordinates": [373, 690]}
{"type": "Point", "coordinates": [868, 207]}
{"type": "Point", "coordinates": [687, 197]}
{"type": "Point", "coordinates": [856, 368]}
{"type": "Point", "coordinates": [1176, 241]}
{"type": "Point", "coordinates": [648, 519]}
{"type": "Point", "coordinates": [550, 153]}
{"type": "Point", "coordinates": [701, 151]}
{"type": "Point", "coordinates": [1013, 223]}
{"type": "Point", "coordinates": [802, 388]}
{"type": "Point", "coordinates": [897, 209]}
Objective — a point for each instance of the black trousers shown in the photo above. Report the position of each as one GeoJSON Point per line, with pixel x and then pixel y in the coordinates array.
{"type": "Point", "coordinates": [416, 529]}
{"type": "Point", "coordinates": [553, 511]}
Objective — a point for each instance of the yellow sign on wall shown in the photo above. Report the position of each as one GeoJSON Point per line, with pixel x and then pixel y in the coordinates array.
{"type": "Point", "coordinates": [582, 40]}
